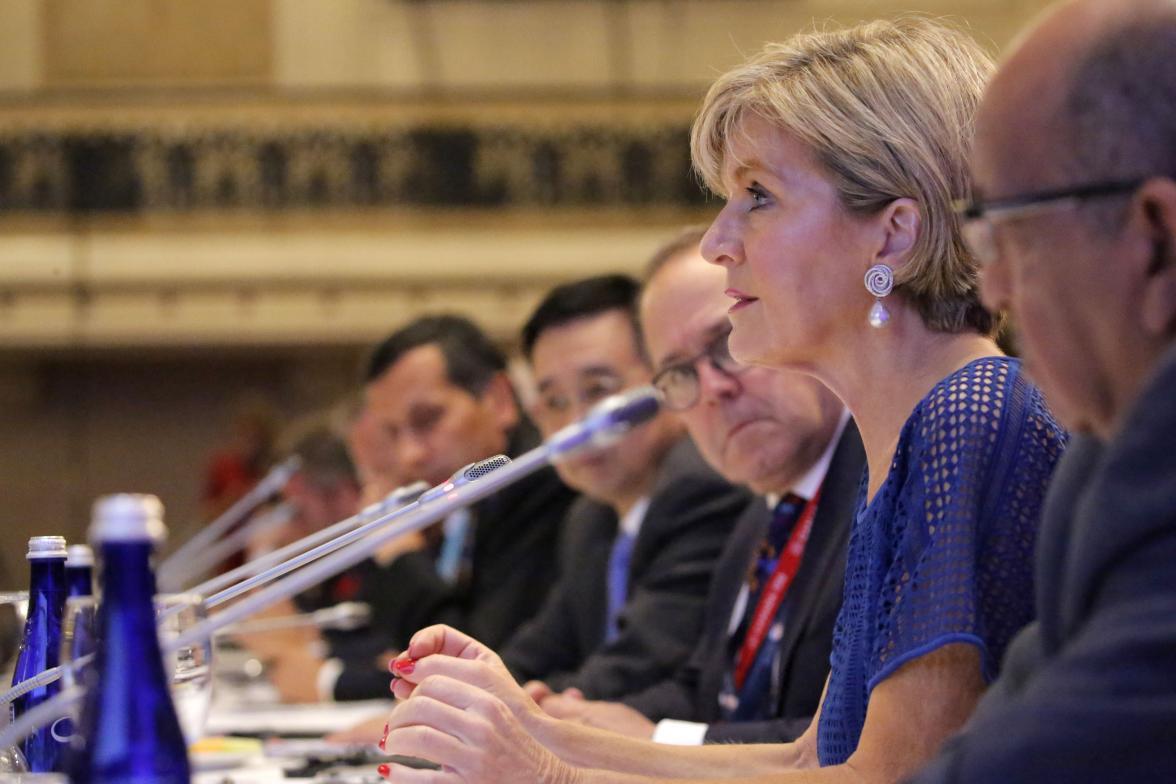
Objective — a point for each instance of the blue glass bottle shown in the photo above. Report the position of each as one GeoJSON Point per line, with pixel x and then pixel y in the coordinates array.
{"type": "Point", "coordinates": [79, 570]}
{"type": "Point", "coordinates": [40, 647]}
{"type": "Point", "coordinates": [129, 730]}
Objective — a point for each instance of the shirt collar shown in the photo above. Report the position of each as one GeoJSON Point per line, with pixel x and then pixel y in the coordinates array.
{"type": "Point", "coordinates": [631, 523]}
{"type": "Point", "coordinates": [810, 481]}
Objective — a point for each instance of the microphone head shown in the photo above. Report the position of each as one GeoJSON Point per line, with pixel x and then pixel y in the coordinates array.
{"type": "Point", "coordinates": [608, 422]}
{"type": "Point", "coordinates": [480, 469]}
{"type": "Point", "coordinates": [466, 475]}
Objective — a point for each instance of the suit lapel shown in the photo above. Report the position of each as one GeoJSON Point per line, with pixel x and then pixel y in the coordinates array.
{"type": "Point", "coordinates": [825, 554]}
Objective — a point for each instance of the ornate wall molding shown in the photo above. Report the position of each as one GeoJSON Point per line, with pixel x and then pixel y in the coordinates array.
{"type": "Point", "coordinates": [326, 168]}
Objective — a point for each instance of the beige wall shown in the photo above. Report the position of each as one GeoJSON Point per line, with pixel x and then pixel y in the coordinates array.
{"type": "Point", "coordinates": [462, 45]}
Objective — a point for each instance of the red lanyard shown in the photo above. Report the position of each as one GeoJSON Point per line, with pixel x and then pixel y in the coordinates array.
{"type": "Point", "coordinates": [776, 589]}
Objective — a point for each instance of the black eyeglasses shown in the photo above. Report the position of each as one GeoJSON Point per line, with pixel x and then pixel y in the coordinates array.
{"type": "Point", "coordinates": [679, 382]}
{"type": "Point", "coordinates": [980, 217]}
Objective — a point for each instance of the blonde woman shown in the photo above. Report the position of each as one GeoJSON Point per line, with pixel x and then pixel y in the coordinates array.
{"type": "Point", "coordinates": [839, 155]}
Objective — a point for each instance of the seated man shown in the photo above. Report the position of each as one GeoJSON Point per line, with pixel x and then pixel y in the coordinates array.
{"type": "Point", "coordinates": [1076, 149]}
{"type": "Point", "coordinates": [439, 389]}
{"type": "Point", "coordinates": [786, 437]}
{"type": "Point", "coordinates": [641, 543]}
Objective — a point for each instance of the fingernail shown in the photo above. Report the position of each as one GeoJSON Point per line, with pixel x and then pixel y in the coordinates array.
{"type": "Point", "coordinates": [384, 739]}
{"type": "Point", "coordinates": [383, 770]}
{"type": "Point", "coordinates": [404, 666]}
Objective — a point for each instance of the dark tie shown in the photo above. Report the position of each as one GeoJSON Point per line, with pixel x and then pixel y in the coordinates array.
{"type": "Point", "coordinates": [751, 702]}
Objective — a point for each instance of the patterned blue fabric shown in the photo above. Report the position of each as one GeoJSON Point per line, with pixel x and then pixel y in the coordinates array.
{"type": "Point", "coordinates": [944, 551]}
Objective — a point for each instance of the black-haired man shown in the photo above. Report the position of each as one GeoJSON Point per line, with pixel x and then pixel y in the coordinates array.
{"type": "Point", "coordinates": [640, 546]}
{"type": "Point", "coordinates": [439, 389]}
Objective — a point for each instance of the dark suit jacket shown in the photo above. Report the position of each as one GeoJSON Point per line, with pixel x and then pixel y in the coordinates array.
{"type": "Point", "coordinates": [683, 531]}
{"type": "Point", "coordinates": [514, 564]}
{"type": "Point", "coordinates": [1088, 693]}
{"type": "Point", "coordinates": [814, 600]}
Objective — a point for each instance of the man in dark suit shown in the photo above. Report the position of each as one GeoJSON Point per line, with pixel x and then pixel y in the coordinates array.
{"type": "Point", "coordinates": [786, 437]}
{"type": "Point", "coordinates": [439, 389]}
{"type": "Point", "coordinates": [641, 543]}
{"type": "Point", "coordinates": [1076, 159]}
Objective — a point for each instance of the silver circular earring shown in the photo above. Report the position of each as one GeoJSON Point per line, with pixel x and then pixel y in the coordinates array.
{"type": "Point", "coordinates": [879, 282]}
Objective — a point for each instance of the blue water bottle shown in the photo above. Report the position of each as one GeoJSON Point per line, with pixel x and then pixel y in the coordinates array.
{"type": "Point", "coordinates": [128, 728]}
{"type": "Point", "coordinates": [79, 570]}
{"type": "Point", "coordinates": [40, 648]}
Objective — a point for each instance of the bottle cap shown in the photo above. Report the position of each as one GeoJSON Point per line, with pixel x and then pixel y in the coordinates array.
{"type": "Point", "coordinates": [127, 517]}
{"type": "Point", "coordinates": [79, 556]}
{"type": "Point", "coordinates": [46, 547]}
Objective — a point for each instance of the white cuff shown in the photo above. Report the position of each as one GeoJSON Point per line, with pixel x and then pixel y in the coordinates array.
{"type": "Point", "coordinates": [679, 733]}
{"type": "Point", "coordinates": [327, 677]}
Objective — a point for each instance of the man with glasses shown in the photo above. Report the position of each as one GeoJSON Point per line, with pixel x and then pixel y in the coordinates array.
{"type": "Point", "coordinates": [757, 672]}
{"type": "Point", "coordinates": [1075, 161]}
{"type": "Point", "coordinates": [639, 548]}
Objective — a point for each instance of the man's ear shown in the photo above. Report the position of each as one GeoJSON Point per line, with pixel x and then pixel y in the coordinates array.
{"type": "Point", "coordinates": [498, 398]}
{"type": "Point", "coordinates": [899, 222]}
{"type": "Point", "coordinates": [1157, 200]}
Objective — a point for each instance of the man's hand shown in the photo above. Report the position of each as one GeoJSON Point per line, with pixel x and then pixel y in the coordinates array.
{"type": "Point", "coordinates": [446, 652]}
{"type": "Point", "coordinates": [293, 674]}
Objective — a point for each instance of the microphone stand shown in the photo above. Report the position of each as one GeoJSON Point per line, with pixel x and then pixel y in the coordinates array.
{"type": "Point", "coordinates": [174, 569]}
{"type": "Point", "coordinates": [399, 497]}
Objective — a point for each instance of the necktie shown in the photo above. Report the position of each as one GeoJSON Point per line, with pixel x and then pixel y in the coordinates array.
{"type": "Point", "coordinates": [618, 581]}
{"type": "Point", "coordinates": [751, 702]}
{"type": "Point", "coordinates": [454, 550]}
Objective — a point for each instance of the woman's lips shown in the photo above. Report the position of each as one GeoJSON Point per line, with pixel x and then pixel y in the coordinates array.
{"type": "Point", "coordinates": [741, 300]}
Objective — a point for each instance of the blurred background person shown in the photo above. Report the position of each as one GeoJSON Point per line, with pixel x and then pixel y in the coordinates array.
{"type": "Point", "coordinates": [639, 547]}
{"type": "Point", "coordinates": [439, 390]}
{"type": "Point", "coordinates": [1075, 222]}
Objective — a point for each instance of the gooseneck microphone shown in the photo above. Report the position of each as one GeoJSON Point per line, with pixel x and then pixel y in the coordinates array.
{"type": "Point", "coordinates": [174, 570]}
{"type": "Point", "coordinates": [399, 497]}
{"type": "Point", "coordinates": [462, 477]}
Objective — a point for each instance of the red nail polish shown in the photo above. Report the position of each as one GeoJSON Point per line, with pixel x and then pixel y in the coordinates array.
{"type": "Point", "coordinates": [384, 739]}
{"type": "Point", "coordinates": [383, 770]}
{"type": "Point", "coordinates": [405, 666]}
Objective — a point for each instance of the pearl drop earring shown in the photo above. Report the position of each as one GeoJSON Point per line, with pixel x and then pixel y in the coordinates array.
{"type": "Point", "coordinates": [879, 282]}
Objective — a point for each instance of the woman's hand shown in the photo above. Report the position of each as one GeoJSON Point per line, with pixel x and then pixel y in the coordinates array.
{"type": "Point", "coordinates": [444, 651]}
{"type": "Point", "coordinates": [472, 733]}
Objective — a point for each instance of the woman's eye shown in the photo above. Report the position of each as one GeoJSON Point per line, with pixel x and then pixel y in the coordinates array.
{"type": "Point", "coordinates": [758, 196]}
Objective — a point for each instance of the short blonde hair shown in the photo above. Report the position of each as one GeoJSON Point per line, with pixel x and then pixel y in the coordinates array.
{"type": "Point", "coordinates": [887, 107]}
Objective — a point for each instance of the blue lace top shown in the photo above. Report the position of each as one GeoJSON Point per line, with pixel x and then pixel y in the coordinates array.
{"type": "Point", "coordinates": [944, 551]}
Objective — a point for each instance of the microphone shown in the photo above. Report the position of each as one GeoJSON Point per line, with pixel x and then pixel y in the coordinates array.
{"type": "Point", "coordinates": [607, 423]}
{"type": "Point", "coordinates": [394, 500]}
{"type": "Point", "coordinates": [464, 476]}
{"type": "Point", "coordinates": [173, 570]}
{"type": "Point", "coordinates": [459, 479]}
{"type": "Point", "coordinates": [344, 617]}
